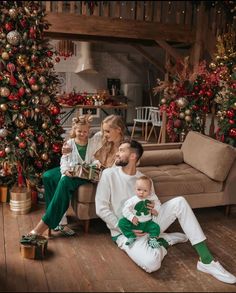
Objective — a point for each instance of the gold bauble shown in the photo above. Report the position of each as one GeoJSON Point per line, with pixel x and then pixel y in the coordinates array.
{"type": "Point", "coordinates": [187, 112]}
{"type": "Point", "coordinates": [45, 125]}
{"type": "Point", "coordinates": [234, 106]}
{"type": "Point", "coordinates": [22, 60]}
{"type": "Point", "coordinates": [188, 118]}
{"type": "Point", "coordinates": [218, 58]}
{"type": "Point", "coordinates": [4, 92]}
{"type": "Point", "coordinates": [13, 38]}
{"type": "Point", "coordinates": [181, 115]}
{"type": "Point", "coordinates": [182, 102]}
{"type": "Point", "coordinates": [37, 110]}
{"type": "Point", "coordinates": [42, 79]}
{"type": "Point", "coordinates": [45, 100]}
{"type": "Point", "coordinates": [44, 156]}
{"type": "Point", "coordinates": [5, 56]}
{"type": "Point", "coordinates": [163, 101]}
{"type": "Point", "coordinates": [27, 68]}
{"type": "Point", "coordinates": [35, 87]}
{"type": "Point", "coordinates": [212, 66]}
{"type": "Point", "coordinates": [13, 13]}
{"type": "Point", "coordinates": [3, 107]}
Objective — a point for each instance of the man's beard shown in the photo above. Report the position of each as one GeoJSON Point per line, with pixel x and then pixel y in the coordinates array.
{"type": "Point", "coordinates": [122, 163]}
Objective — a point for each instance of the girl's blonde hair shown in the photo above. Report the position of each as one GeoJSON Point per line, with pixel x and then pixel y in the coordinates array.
{"type": "Point", "coordinates": [80, 120]}
{"type": "Point", "coordinates": [116, 122]}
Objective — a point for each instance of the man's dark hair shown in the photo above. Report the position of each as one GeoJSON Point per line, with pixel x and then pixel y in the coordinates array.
{"type": "Point", "coordinates": [135, 146]}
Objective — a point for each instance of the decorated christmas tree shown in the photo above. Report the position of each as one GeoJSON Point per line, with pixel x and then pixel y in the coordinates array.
{"type": "Point", "coordinates": [30, 131]}
{"type": "Point", "coordinates": [224, 64]}
{"type": "Point", "coordinates": [186, 98]}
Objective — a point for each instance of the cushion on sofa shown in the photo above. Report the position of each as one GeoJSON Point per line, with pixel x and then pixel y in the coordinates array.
{"type": "Point", "coordinates": [180, 179]}
{"type": "Point", "coordinates": [208, 155]}
{"type": "Point", "coordinates": [86, 193]}
{"type": "Point", "coordinates": [161, 157]}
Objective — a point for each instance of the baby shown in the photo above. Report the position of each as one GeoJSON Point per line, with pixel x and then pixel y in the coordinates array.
{"type": "Point", "coordinates": [137, 214]}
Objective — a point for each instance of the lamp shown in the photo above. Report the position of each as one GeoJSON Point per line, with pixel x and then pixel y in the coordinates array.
{"type": "Point", "coordinates": [66, 48]}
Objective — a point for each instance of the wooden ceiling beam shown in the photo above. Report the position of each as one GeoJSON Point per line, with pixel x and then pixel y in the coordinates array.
{"type": "Point", "coordinates": [152, 60]}
{"type": "Point", "coordinates": [119, 28]}
{"type": "Point", "coordinates": [171, 51]}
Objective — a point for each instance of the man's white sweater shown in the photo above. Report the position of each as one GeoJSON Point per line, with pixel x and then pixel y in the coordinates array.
{"type": "Point", "coordinates": [113, 189]}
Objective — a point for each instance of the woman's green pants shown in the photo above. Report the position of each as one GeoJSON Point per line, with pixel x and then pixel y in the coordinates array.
{"type": "Point", "coordinates": [58, 193]}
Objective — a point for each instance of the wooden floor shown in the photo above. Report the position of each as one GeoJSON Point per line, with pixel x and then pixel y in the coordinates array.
{"type": "Point", "coordinates": [92, 263]}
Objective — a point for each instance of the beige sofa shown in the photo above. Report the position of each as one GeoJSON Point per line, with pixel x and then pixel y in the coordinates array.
{"type": "Point", "coordinates": [201, 169]}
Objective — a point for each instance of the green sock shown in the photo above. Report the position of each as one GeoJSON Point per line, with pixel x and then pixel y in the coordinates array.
{"type": "Point", "coordinates": [204, 253]}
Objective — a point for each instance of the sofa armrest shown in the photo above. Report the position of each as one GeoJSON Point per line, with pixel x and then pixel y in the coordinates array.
{"type": "Point", "coordinates": [230, 185]}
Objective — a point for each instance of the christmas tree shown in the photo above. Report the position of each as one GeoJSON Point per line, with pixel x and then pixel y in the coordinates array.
{"type": "Point", "coordinates": [186, 98]}
{"type": "Point", "coordinates": [224, 64]}
{"type": "Point", "coordinates": [30, 131]}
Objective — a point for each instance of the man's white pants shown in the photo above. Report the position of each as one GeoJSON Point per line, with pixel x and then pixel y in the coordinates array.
{"type": "Point", "coordinates": [149, 258]}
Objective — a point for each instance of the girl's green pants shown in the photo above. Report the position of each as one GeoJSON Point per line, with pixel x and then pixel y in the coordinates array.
{"type": "Point", "coordinates": [58, 193]}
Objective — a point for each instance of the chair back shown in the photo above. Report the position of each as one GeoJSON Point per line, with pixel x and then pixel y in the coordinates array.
{"type": "Point", "coordinates": [155, 114]}
{"type": "Point", "coordinates": [143, 114]}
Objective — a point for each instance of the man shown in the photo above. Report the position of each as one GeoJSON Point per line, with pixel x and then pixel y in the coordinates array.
{"type": "Point", "coordinates": [117, 185]}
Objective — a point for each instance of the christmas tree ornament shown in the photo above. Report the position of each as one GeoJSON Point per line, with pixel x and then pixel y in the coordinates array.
{"type": "Point", "coordinates": [187, 112]}
{"type": "Point", "coordinates": [5, 56]}
{"type": "Point", "coordinates": [45, 125]}
{"type": "Point", "coordinates": [2, 154]}
{"type": "Point", "coordinates": [13, 38]}
{"type": "Point", "coordinates": [7, 150]}
{"type": "Point", "coordinates": [3, 132]}
{"type": "Point", "coordinates": [22, 144]}
{"type": "Point", "coordinates": [44, 156]}
{"type": "Point", "coordinates": [182, 102]}
{"type": "Point", "coordinates": [188, 118]}
{"type": "Point", "coordinates": [4, 107]}
{"type": "Point", "coordinates": [13, 13]}
{"type": "Point", "coordinates": [181, 115]}
{"type": "Point", "coordinates": [4, 92]}
{"type": "Point", "coordinates": [35, 87]}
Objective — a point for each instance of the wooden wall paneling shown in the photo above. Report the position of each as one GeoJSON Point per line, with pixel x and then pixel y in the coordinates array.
{"type": "Point", "coordinates": [59, 6]}
{"type": "Point", "coordinates": [105, 9]}
{"type": "Point", "coordinates": [96, 11]}
{"type": "Point", "coordinates": [128, 11]}
{"type": "Point", "coordinates": [72, 6]}
{"type": "Point", "coordinates": [139, 10]}
{"type": "Point", "coordinates": [48, 6]}
{"type": "Point", "coordinates": [177, 13]}
{"type": "Point", "coordinates": [149, 11]}
{"type": "Point", "coordinates": [188, 13]}
{"type": "Point", "coordinates": [164, 12]}
{"type": "Point", "coordinates": [117, 9]}
{"type": "Point", "coordinates": [83, 8]}
{"type": "Point", "coordinates": [157, 11]}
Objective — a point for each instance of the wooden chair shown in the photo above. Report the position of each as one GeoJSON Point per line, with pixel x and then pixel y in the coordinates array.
{"type": "Point", "coordinates": [142, 116]}
{"type": "Point", "coordinates": [158, 119]}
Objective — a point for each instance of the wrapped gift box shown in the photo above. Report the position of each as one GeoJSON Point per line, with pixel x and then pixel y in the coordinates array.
{"type": "Point", "coordinates": [85, 171]}
{"type": "Point", "coordinates": [36, 249]}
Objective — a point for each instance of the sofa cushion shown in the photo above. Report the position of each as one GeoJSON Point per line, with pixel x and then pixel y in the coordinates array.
{"type": "Point", "coordinates": [161, 157]}
{"type": "Point", "coordinates": [208, 155]}
{"type": "Point", "coordinates": [180, 179]}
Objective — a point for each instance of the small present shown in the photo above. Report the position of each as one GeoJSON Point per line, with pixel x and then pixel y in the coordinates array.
{"type": "Point", "coordinates": [86, 171]}
{"type": "Point", "coordinates": [34, 248]}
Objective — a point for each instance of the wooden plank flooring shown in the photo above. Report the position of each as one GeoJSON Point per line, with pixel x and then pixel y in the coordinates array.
{"type": "Point", "coordinates": [93, 263]}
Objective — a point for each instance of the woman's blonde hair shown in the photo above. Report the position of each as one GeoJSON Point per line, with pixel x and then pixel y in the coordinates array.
{"type": "Point", "coordinates": [80, 120]}
{"type": "Point", "coordinates": [116, 122]}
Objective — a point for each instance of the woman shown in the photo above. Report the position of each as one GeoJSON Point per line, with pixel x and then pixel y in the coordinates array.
{"type": "Point", "coordinates": [102, 147]}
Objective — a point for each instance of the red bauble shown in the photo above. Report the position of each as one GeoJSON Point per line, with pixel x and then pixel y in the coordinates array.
{"type": "Point", "coordinates": [32, 81]}
{"type": "Point", "coordinates": [8, 26]}
{"type": "Point", "coordinates": [232, 132]}
{"type": "Point", "coordinates": [231, 122]}
{"type": "Point", "coordinates": [49, 53]}
{"type": "Point", "coordinates": [39, 164]}
{"type": "Point", "coordinates": [22, 145]}
{"type": "Point", "coordinates": [55, 110]}
{"type": "Point", "coordinates": [177, 123]}
{"type": "Point", "coordinates": [56, 148]}
{"type": "Point", "coordinates": [22, 135]}
{"type": "Point", "coordinates": [230, 114]}
{"type": "Point", "coordinates": [2, 154]}
{"type": "Point", "coordinates": [195, 107]}
{"type": "Point", "coordinates": [40, 139]}
{"type": "Point", "coordinates": [57, 121]}
{"type": "Point", "coordinates": [57, 59]}
{"type": "Point", "coordinates": [21, 91]}
{"type": "Point", "coordinates": [27, 113]}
